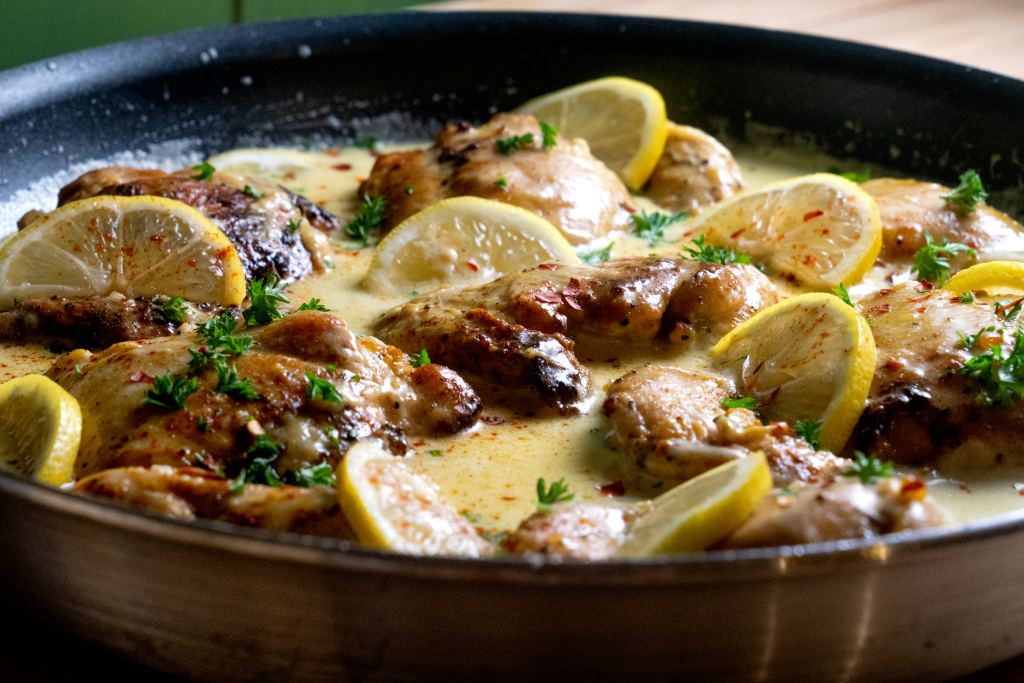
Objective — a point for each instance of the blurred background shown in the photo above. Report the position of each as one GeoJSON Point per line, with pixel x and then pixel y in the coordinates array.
{"type": "Point", "coordinates": [983, 33]}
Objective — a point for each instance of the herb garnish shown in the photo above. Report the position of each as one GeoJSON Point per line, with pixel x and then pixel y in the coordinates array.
{"type": "Point", "coordinates": [501, 182]}
{"type": "Point", "coordinates": [967, 298]}
{"type": "Point", "coordinates": [841, 292]}
{"type": "Point", "coordinates": [170, 391]}
{"type": "Point", "coordinates": [849, 175]}
{"type": "Point", "coordinates": [970, 340]}
{"type": "Point", "coordinates": [810, 430]}
{"type": "Point", "coordinates": [318, 387]}
{"type": "Point", "coordinates": [435, 453]}
{"type": "Point", "coordinates": [250, 191]}
{"type": "Point", "coordinates": [931, 262]}
{"type": "Point", "coordinates": [1009, 310]}
{"type": "Point", "coordinates": [294, 225]}
{"type": "Point", "coordinates": [701, 251]}
{"type": "Point", "coordinates": [999, 379]}
{"type": "Point", "coordinates": [313, 304]}
{"type": "Point", "coordinates": [174, 310]}
{"type": "Point", "coordinates": [557, 493]}
{"type": "Point", "coordinates": [368, 142]}
{"type": "Point", "coordinates": [371, 215]}
{"type": "Point", "coordinates": [321, 474]}
{"type": "Point", "coordinates": [514, 143]}
{"type": "Point", "coordinates": [968, 194]}
{"type": "Point", "coordinates": [420, 359]}
{"type": "Point", "coordinates": [202, 426]}
{"type": "Point", "coordinates": [205, 171]}
{"type": "Point", "coordinates": [549, 132]}
{"type": "Point", "coordinates": [258, 467]}
{"type": "Point", "coordinates": [592, 258]}
{"type": "Point", "coordinates": [264, 296]}
{"type": "Point", "coordinates": [651, 226]}
{"type": "Point", "coordinates": [748, 402]}
{"type": "Point", "coordinates": [868, 468]}
{"type": "Point", "coordinates": [228, 382]}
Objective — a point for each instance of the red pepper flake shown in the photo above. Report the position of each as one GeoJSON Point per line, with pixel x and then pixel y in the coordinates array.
{"type": "Point", "coordinates": [140, 376]}
{"type": "Point", "coordinates": [893, 364]}
{"type": "Point", "coordinates": [886, 292]}
{"type": "Point", "coordinates": [342, 167]}
{"type": "Point", "coordinates": [548, 266]}
{"type": "Point", "coordinates": [332, 152]}
{"type": "Point", "coordinates": [924, 286]}
{"type": "Point", "coordinates": [545, 296]}
{"type": "Point", "coordinates": [880, 309]}
{"type": "Point", "coordinates": [156, 238]}
{"type": "Point", "coordinates": [473, 265]}
{"type": "Point", "coordinates": [913, 488]}
{"type": "Point", "coordinates": [628, 208]}
{"type": "Point", "coordinates": [492, 420]}
{"type": "Point", "coordinates": [738, 233]}
{"type": "Point", "coordinates": [571, 292]}
{"type": "Point", "coordinates": [615, 488]}
{"type": "Point", "coordinates": [813, 214]}
{"type": "Point", "coordinates": [809, 260]}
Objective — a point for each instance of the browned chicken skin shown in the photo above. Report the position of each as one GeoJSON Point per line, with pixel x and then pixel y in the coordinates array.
{"type": "Point", "coordinates": [584, 531]}
{"type": "Point", "coordinates": [383, 396]}
{"type": "Point", "coordinates": [694, 172]}
{"type": "Point", "coordinates": [186, 493]}
{"type": "Point", "coordinates": [921, 407]}
{"type": "Point", "coordinates": [671, 424]}
{"type": "Point", "coordinates": [564, 183]}
{"type": "Point", "coordinates": [518, 331]}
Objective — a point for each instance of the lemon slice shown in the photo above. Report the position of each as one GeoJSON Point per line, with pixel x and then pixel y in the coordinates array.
{"type": "Point", "coordinates": [461, 241]}
{"type": "Point", "coordinates": [701, 511]}
{"type": "Point", "coordinates": [820, 229]}
{"type": "Point", "coordinates": [40, 429]}
{"type": "Point", "coordinates": [391, 507]}
{"type": "Point", "coordinates": [270, 163]}
{"type": "Point", "coordinates": [993, 277]}
{"type": "Point", "coordinates": [622, 120]}
{"type": "Point", "coordinates": [808, 357]}
{"type": "Point", "coordinates": [136, 246]}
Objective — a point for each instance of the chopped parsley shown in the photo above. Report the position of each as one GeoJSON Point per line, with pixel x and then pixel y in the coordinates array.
{"type": "Point", "coordinates": [369, 142]}
{"type": "Point", "coordinates": [313, 304]}
{"type": "Point", "coordinates": [868, 468]}
{"type": "Point", "coordinates": [321, 474]}
{"type": "Point", "coordinates": [204, 171]}
{"type": "Point", "coordinates": [228, 382]}
{"type": "Point", "coordinates": [844, 295]}
{"type": "Point", "coordinates": [702, 251]}
{"type": "Point", "coordinates": [371, 215]}
{"type": "Point", "coordinates": [420, 359]}
{"type": "Point", "coordinates": [998, 378]}
{"type": "Point", "coordinates": [556, 493]}
{"type": "Point", "coordinates": [219, 341]}
{"type": "Point", "coordinates": [651, 226]}
{"type": "Point", "coordinates": [748, 402]}
{"type": "Point", "coordinates": [202, 426]}
{"type": "Point", "coordinates": [250, 191]}
{"type": "Point", "coordinates": [174, 310]}
{"type": "Point", "coordinates": [931, 262]}
{"type": "Point", "coordinates": [850, 175]}
{"type": "Point", "coordinates": [294, 225]}
{"type": "Point", "coordinates": [549, 133]}
{"type": "Point", "coordinates": [170, 391]}
{"type": "Point", "coordinates": [970, 340]}
{"type": "Point", "coordinates": [1009, 310]}
{"type": "Point", "coordinates": [967, 298]}
{"type": "Point", "coordinates": [968, 194]}
{"type": "Point", "coordinates": [514, 143]}
{"type": "Point", "coordinates": [258, 467]}
{"type": "Point", "coordinates": [501, 182]}
{"type": "Point", "coordinates": [264, 296]}
{"type": "Point", "coordinates": [592, 258]}
{"type": "Point", "coordinates": [810, 430]}
{"type": "Point", "coordinates": [787, 491]}
{"type": "Point", "coordinates": [331, 368]}
{"type": "Point", "coordinates": [435, 453]}
{"type": "Point", "coordinates": [320, 388]}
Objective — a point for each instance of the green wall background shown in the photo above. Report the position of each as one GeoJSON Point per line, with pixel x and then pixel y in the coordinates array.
{"type": "Point", "coordinates": [36, 29]}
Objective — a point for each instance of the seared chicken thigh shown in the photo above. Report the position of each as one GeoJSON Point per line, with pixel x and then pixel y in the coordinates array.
{"type": "Point", "coordinates": [562, 182]}
{"type": "Point", "coordinates": [381, 395]}
{"type": "Point", "coordinates": [518, 332]}
{"type": "Point", "coordinates": [694, 172]}
{"type": "Point", "coordinates": [585, 531]}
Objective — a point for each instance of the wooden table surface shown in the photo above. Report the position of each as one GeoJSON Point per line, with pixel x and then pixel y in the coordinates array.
{"type": "Point", "coordinates": [983, 33]}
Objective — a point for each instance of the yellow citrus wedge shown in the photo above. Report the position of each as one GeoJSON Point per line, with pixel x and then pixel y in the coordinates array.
{"type": "Point", "coordinates": [622, 120]}
{"type": "Point", "coordinates": [992, 277]}
{"type": "Point", "coordinates": [136, 246]}
{"type": "Point", "coordinates": [462, 241]}
{"type": "Point", "coordinates": [820, 229]}
{"type": "Point", "coordinates": [40, 429]}
{"type": "Point", "coordinates": [391, 507]}
{"type": "Point", "coordinates": [270, 163]}
{"type": "Point", "coordinates": [701, 511]}
{"type": "Point", "coordinates": [810, 357]}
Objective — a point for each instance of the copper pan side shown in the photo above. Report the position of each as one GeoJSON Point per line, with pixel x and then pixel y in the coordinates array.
{"type": "Point", "coordinates": [220, 603]}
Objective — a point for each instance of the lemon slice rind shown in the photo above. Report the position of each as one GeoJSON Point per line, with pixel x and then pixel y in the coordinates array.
{"type": "Point", "coordinates": [40, 429]}
{"type": "Point", "coordinates": [994, 277]}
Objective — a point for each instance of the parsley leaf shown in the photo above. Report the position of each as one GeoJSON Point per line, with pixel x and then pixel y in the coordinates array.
{"type": "Point", "coordinates": [435, 453]}
{"type": "Point", "coordinates": [369, 142]}
{"type": "Point", "coordinates": [592, 258]}
{"type": "Point", "coordinates": [1009, 310]}
{"type": "Point", "coordinates": [850, 175]}
{"type": "Point", "coordinates": [294, 225]}
{"type": "Point", "coordinates": [514, 143]}
{"type": "Point", "coordinates": [420, 359]}
{"type": "Point", "coordinates": [250, 191]}
{"type": "Point", "coordinates": [810, 430]}
{"type": "Point", "coordinates": [549, 132]}
{"type": "Point", "coordinates": [968, 194]}
{"type": "Point", "coordinates": [501, 182]}
{"type": "Point", "coordinates": [371, 215]}
{"type": "Point", "coordinates": [205, 171]}
{"type": "Point", "coordinates": [999, 379]}
{"type": "Point", "coordinates": [967, 298]}
{"type": "Point", "coordinates": [321, 474]}
{"type": "Point", "coordinates": [264, 296]}
{"type": "Point", "coordinates": [841, 292]}
{"type": "Point", "coordinates": [170, 391]}
{"type": "Point", "coordinates": [651, 226]}
{"type": "Point", "coordinates": [228, 382]}
{"type": "Point", "coordinates": [868, 468]}
{"type": "Point", "coordinates": [748, 402]}
{"type": "Point", "coordinates": [556, 493]}
{"type": "Point", "coordinates": [931, 262]}
{"type": "Point", "coordinates": [258, 466]}
{"type": "Point", "coordinates": [174, 310]}
{"type": "Point", "coordinates": [701, 251]}
{"type": "Point", "coordinates": [313, 304]}
{"type": "Point", "coordinates": [318, 387]}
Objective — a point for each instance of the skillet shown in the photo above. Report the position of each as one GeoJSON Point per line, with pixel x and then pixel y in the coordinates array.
{"type": "Point", "coordinates": [216, 602]}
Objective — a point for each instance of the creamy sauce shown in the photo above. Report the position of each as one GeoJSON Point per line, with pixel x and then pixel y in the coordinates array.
{"type": "Point", "coordinates": [489, 472]}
